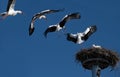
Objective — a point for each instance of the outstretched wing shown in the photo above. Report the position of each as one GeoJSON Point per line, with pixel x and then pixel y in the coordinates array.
{"type": "Point", "coordinates": [92, 29]}
{"type": "Point", "coordinates": [69, 17]}
{"type": "Point", "coordinates": [51, 11]}
{"type": "Point", "coordinates": [31, 28]}
{"type": "Point", "coordinates": [89, 31]}
{"type": "Point", "coordinates": [11, 5]}
{"type": "Point", "coordinates": [73, 16]}
{"type": "Point", "coordinates": [49, 29]}
{"type": "Point", "coordinates": [45, 12]}
{"type": "Point", "coordinates": [71, 37]}
{"type": "Point", "coordinates": [36, 16]}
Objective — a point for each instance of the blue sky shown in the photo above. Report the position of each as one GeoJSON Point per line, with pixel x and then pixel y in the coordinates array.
{"type": "Point", "coordinates": [22, 55]}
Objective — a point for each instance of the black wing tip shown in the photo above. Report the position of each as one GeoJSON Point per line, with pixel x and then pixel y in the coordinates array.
{"type": "Point", "coordinates": [31, 31]}
{"type": "Point", "coordinates": [76, 14]}
{"type": "Point", "coordinates": [45, 34]}
{"type": "Point", "coordinates": [68, 36]}
{"type": "Point", "coordinates": [94, 28]}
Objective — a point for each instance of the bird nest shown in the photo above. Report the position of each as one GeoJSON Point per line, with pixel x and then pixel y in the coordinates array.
{"type": "Point", "coordinates": [97, 56]}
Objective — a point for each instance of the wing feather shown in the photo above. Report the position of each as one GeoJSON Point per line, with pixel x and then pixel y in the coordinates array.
{"type": "Point", "coordinates": [89, 31]}
{"type": "Point", "coordinates": [11, 4]}
{"type": "Point", "coordinates": [45, 12]}
{"type": "Point", "coordinates": [69, 17]}
{"type": "Point", "coordinates": [49, 29]}
{"type": "Point", "coordinates": [31, 28]}
{"type": "Point", "coordinates": [71, 37]}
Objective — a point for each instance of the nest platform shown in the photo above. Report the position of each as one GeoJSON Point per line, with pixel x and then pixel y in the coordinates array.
{"type": "Point", "coordinates": [97, 56]}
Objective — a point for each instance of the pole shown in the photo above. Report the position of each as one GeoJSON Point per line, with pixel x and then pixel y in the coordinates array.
{"type": "Point", "coordinates": [96, 71]}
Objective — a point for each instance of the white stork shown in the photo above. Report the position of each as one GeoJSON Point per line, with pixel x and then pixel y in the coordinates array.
{"type": "Point", "coordinates": [81, 37]}
{"type": "Point", "coordinates": [61, 24]}
{"type": "Point", "coordinates": [96, 46]}
{"type": "Point", "coordinates": [10, 11]}
{"type": "Point", "coordinates": [40, 16]}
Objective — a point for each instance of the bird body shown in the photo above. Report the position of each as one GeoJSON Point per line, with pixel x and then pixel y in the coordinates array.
{"type": "Point", "coordinates": [76, 38]}
{"type": "Point", "coordinates": [57, 27]}
{"type": "Point", "coordinates": [13, 12]}
{"type": "Point", "coordinates": [79, 38]}
{"type": "Point", "coordinates": [52, 28]}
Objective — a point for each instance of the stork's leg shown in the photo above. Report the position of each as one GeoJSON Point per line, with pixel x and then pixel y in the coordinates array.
{"type": "Point", "coordinates": [5, 16]}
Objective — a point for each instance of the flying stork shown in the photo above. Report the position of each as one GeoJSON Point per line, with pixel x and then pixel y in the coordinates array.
{"type": "Point", "coordinates": [41, 15]}
{"type": "Point", "coordinates": [61, 24]}
{"type": "Point", "coordinates": [10, 11]}
{"type": "Point", "coordinates": [81, 37]}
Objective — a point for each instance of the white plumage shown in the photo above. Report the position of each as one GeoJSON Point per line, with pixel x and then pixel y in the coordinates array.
{"type": "Point", "coordinates": [83, 36]}
{"type": "Point", "coordinates": [10, 11]}
{"type": "Point", "coordinates": [96, 46]}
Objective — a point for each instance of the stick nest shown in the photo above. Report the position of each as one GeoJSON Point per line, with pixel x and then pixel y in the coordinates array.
{"type": "Point", "coordinates": [110, 56]}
